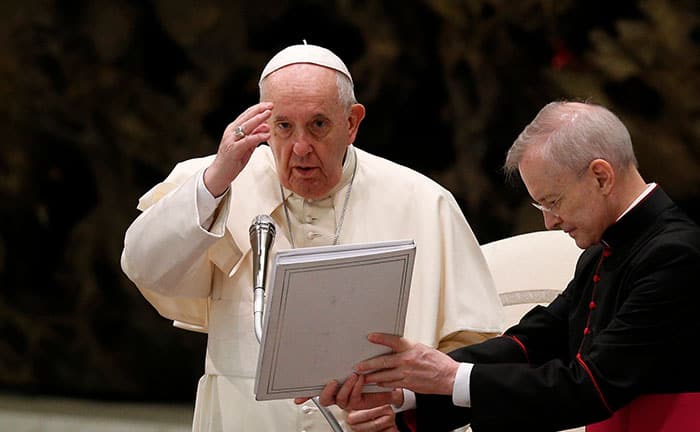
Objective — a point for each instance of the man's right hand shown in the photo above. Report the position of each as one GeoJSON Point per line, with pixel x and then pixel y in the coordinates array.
{"type": "Point", "coordinates": [235, 151]}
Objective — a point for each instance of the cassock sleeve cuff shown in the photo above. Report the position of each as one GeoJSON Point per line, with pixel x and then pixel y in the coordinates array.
{"type": "Point", "coordinates": [460, 389]}
{"type": "Point", "coordinates": [409, 402]}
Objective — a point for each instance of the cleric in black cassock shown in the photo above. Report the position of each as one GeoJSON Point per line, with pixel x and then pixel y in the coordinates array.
{"type": "Point", "coordinates": [625, 326]}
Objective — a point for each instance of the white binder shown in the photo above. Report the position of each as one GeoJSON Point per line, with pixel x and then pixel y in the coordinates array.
{"type": "Point", "coordinates": [322, 302]}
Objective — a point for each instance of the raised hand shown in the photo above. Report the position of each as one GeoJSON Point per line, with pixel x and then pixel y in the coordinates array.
{"type": "Point", "coordinates": [237, 145]}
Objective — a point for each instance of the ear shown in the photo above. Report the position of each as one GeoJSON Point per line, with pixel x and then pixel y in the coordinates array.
{"type": "Point", "coordinates": [604, 175]}
{"type": "Point", "coordinates": [357, 113]}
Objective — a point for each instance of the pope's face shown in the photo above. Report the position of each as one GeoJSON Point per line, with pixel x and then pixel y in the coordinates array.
{"type": "Point", "coordinates": [310, 130]}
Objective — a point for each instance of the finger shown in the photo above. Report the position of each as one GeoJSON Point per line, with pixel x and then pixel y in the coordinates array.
{"type": "Point", "coordinates": [362, 416]}
{"type": "Point", "coordinates": [258, 136]}
{"type": "Point", "coordinates": [372, 400]}
{"type": "Point", "coordinates": [252, 111]}
{"type": "Point", "coordinates": [342, 399]}
{"type": "Point", "coordinates": [249, 120]}
{"type": "Point", "coordinates": [261, 129]}
{"type": "Point", "coordinates": [396, 343]}
{"type": "Point", "coordinates": [387, 361]}
{"type": "Point", "coordinates": [300, 400]}
{"type": "Point", "coordinates": [384, 422]}
{"type": "Point", "coordinates": [327, 396]}
{"type": "Point", "coordinates": [251, 125]}
{"type": "Point", "coordinates": [356, 396]}
{"type": "Point", "coordinates": [384, 376]}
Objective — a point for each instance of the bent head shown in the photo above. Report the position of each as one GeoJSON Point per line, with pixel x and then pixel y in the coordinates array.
{"type": "Point", "coordinates": [578, 165]}
{"type": "Point", "coordinates": [314, 120]}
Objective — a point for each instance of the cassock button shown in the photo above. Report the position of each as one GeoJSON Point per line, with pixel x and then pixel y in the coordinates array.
{"type": "Point", "coordinates": [596, 278]}
{"type": "Point", "coordinates": [592, 305]}
{"type": "Point", "coordinates": [607, 252]}
{"type": "Point", "coordinates": [586, 331]}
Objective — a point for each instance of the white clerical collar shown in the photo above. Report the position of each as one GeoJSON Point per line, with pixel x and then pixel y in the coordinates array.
{"type": "Point", "coordinates": [650, 187]}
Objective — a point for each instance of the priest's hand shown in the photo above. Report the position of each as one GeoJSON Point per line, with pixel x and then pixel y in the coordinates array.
{"type": "Point", "coordinates": [380, 419]}
{"type": "Point", "coordinates": [412, 366]}
{"type": "Point", "coordinates": [237, 145]}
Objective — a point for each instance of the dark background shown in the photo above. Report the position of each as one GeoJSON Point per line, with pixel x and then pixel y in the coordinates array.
{"type": "Point", "coordinates": [99, 100]}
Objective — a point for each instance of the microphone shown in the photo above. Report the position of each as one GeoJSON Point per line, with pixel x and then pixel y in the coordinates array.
{"type": "Point", "coordinates": [262, 235]}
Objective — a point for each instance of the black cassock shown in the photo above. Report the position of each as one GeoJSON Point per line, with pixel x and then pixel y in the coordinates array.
{"type": "Point", "coordinates": [626, 325]}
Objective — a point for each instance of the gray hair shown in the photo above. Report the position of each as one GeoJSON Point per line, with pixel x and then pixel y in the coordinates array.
{"type": "Point", "coordinates": [346, 90]}
{"type": "Point", "coordinates": [572, 135]}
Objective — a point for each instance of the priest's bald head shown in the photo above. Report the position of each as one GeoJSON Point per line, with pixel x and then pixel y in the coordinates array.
{"type": "Point", "coordinates": [315, 117]}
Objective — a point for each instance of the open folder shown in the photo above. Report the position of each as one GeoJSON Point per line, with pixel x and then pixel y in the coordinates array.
{"type": "Point", "coordinates": [322, 302]}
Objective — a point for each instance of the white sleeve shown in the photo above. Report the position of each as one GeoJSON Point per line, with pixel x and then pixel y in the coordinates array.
{"type": "Point", "coordinates": [409, 401]}
{"type": "Point", "coordinates": [460, 388]}
{"type": "Point", "coordinates": [206, 203]}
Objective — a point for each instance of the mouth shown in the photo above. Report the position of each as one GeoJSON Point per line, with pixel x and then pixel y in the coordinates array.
{"type": "Point", "coordinates": [304, 171]}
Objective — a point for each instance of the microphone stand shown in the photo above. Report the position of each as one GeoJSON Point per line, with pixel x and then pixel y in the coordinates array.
{"type": "Point", "coordinates": [259, 273]}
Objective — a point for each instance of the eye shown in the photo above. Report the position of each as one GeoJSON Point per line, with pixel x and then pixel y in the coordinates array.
{"type": "Point", "coordinates": [319, 126]}
{"type": "Point", "coordinates": [555, 203]}
{"type": "Point", "coordinates": [283, 128]}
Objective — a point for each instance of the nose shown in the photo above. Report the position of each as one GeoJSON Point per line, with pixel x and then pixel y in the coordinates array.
{"type": "Point", "coordinates": [551, 221]}
{"type": "Point", "coordinates": [301, 146]}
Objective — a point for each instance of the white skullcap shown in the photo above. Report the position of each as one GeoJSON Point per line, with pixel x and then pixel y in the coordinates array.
{"type": "Point", "coordinates": [313, 54]}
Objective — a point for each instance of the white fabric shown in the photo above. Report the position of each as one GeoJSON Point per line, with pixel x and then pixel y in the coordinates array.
{"type": "Point", "coordinates": [204, 278]}
{"type": "Point", "coordinates": [305, 53]}
{"type": "Point", "coordinates": [206, 203]}
{"type": "Point", "coordinates": [460, 388]}
{"type": "Point", "coordinates": [530, 269]}
{"type": "Point", "coordinates": [409, 401]}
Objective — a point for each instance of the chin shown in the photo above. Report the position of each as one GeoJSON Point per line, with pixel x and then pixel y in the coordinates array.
{"type": "Point", "coordinates": [583, 243]}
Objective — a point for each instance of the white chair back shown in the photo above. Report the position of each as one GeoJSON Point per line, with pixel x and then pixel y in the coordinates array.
{"type": "Point", "coordinates": [530, 269]}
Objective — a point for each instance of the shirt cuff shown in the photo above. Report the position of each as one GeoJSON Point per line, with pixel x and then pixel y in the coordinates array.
{"type": "Point", "coordinates": [206, 203]}
{"type": "Point", "coordinates": [409, 401]}
{"type": "Point", "coordinates": [460, 389]}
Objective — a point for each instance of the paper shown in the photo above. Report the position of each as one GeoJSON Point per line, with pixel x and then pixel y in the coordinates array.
{"type": "Point", "coordinates": [322, 303]}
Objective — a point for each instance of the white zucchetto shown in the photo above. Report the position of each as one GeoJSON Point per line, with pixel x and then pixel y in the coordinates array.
{"type": "Point", "coordinates": [304, 53]}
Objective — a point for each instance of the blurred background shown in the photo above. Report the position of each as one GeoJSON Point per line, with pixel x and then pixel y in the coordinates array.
{"type": "Point", "coordinates": [99, 99]}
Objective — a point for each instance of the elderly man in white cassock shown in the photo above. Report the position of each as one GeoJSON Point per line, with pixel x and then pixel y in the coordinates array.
{"type": "Point", "coordinates": [189, 252]}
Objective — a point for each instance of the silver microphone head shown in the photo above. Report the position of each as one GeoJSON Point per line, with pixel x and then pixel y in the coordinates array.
{"type": "Point", "coordinates": [262, 236]}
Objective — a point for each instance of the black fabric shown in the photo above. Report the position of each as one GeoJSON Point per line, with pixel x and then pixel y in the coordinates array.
{"type": "Point", "coordinates": [641, 335]}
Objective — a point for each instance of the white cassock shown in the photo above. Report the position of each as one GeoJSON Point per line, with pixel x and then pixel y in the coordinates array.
{"type": "Point", "coordinates": [202, 279]}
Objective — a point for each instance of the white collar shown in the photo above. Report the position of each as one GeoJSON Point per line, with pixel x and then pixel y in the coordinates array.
{"type": "Point", "coordinates": [650, 187]}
